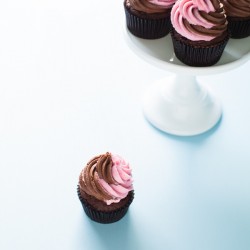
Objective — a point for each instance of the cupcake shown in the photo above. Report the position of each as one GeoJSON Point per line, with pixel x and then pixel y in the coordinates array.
{"type": "Point", "coordinates": [148, 19]}
{"type": "Point", "coordinates": [238, 16]}
{"type": "Point", "coordinates": [105, 188]}
{"type": "Point", "coordinates": [199, 31]}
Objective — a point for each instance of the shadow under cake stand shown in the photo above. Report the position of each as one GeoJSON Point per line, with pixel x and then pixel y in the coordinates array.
{"type": "Point", "coordinates": [178, 104]}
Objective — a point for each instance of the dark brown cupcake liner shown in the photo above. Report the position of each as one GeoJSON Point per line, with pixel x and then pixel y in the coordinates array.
{"type": "Point", "coordinates": [146, 27]}
{"type": "Point", "coordinates": [105, 217]}
{"type": "Point", "coordinates": [198, 56]}
{"type": "Point", "coordinates": [239, 28]}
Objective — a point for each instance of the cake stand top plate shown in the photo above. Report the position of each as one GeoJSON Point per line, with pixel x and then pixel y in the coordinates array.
{"type": "Point", "coordinates": [160, 53]}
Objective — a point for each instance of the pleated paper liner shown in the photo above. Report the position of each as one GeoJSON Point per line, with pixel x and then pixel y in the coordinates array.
{"type": "Point", "coordinates": [105, 217]}
{"type": "Point", "coordinates": [146, 27]}
{"type": "Point", "coordinates": [239, 28]}
{"type": "Point", "coordinates": [198, 55]}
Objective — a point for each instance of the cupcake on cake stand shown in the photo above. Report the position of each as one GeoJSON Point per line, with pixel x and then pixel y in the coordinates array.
{"type": "Point", "coordinates": [178, 104]}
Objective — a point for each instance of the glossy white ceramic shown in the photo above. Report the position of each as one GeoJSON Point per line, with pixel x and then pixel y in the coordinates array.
{"type": "Point", "coordinates": [178, 104]}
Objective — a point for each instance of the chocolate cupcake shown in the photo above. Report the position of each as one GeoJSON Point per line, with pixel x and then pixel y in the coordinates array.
{"type": "Point", "coordinates": [148, 19]}
{"type": "Point", "coordinates": [105, 188]}
{"type": "Point", "coordinates": [238, 16]}
{"type": "Point", "coordinates": [199, 31]}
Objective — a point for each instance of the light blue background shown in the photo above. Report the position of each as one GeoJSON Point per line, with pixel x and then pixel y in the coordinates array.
{"type": "Point", "coordinates": [70, 88]}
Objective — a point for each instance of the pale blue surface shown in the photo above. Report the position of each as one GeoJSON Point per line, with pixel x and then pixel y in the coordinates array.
{"type": "Point", "coordinates": [69, 91]}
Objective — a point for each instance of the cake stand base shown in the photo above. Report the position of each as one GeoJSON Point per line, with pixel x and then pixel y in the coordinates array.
{"type": "Point", "coordinates": [179, 105]}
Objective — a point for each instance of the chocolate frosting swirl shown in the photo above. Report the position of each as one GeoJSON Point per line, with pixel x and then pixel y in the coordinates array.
{"type": "Point", "coordinates": [217, 18]}
{"type": "Point", "coordinates": [96, 168]}
{"type": "Point", "coordinates": [147, 7]}
{"type": "Point", "coordinates": [237, 8]}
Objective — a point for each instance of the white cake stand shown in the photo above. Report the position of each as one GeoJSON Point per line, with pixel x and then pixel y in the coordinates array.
{"type": "Point", "coordinates": [179, 105]}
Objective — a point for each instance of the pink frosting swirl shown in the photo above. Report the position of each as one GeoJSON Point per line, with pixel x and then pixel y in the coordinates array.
{"type": "Point", "coordinates": [122, 174]}
{"type": "Point", "coordinates": [198, 19]}
{"type": "Point", "coordinates": [106, 177]}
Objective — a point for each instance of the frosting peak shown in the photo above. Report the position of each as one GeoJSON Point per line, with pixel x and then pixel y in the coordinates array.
{"type": "Point", "coordinates": [107, 177]}
{"type": "Point", "coordinates": [199, 19]}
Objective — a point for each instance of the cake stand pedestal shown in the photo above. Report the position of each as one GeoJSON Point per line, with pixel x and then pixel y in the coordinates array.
{"type": "Point", "coordinates": [178, 104]}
